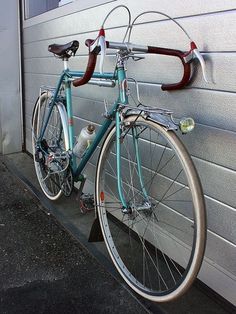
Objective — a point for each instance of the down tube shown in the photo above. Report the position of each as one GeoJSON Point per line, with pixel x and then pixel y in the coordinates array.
{"type": "Point", "coordinates": [94, 145]}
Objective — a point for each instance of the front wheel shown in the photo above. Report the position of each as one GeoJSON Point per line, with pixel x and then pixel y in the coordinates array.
{"type": "Point", "coordinates": [157, 242]}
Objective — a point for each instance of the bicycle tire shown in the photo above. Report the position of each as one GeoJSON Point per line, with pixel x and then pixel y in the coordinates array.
{"type": "Point", "coordinates": [54, 139]}
{"type": "Point", "coordinates": [158, 250]}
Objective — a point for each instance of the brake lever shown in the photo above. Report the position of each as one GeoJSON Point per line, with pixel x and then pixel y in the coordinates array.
{"type": "Point", "coordinates": [196, 53]}
{"type": "Point", "coordinates": [102, 44]}
{"type": "Point", "coordinates": [98, 45]}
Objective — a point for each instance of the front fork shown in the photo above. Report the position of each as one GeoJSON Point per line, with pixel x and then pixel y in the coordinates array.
{"type": "Point", "coordinates": [127, 208]}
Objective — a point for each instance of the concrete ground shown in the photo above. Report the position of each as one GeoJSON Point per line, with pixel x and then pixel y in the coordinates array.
{"type": "Point", "coordinates": [48, 266]}
{"type": "Point", "coordinates": [43, 268]}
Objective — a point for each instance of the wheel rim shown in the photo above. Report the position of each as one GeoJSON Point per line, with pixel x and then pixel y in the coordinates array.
{"type": "Point", "coordinates": [49, 172]}
{"type": "Point", "coordinates": [154, 248]}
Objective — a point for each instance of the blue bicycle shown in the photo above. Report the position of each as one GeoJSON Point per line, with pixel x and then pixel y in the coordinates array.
{"type": "Point", "coordinates": [148, 196]}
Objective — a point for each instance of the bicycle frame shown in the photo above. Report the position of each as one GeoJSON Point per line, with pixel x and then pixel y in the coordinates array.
{"type": "Point", "coordinates": [66, 78]}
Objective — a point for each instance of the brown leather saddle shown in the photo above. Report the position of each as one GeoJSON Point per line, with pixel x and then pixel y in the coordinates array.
{"type": "Point", "coordinates": [64, 51]}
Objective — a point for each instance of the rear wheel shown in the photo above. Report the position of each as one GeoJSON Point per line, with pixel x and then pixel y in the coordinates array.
{"type": "Point", "coordinates": [157, 242]}
{"type": "Point", "coordinates": [49, 153]}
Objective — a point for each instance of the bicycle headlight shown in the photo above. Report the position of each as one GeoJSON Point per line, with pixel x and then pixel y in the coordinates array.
{"type": "Point", "coordinates": [186, 125]}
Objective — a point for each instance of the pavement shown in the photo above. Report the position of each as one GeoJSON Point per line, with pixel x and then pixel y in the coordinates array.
{"type": "Point", "coordinates": [48, 266]}
{"type": "Point", "coordinates": [43, 269]}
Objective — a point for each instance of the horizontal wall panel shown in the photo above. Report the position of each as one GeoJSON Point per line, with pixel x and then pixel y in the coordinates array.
{"type": "Point", "coordinates": [221, 252]}
{"type": "Point", "coordinates": [218, 38]}
{"type": "Point", "coordinates": [197, 142]}
{"type": "Point", "coordinates": [153, 69]}
{"type": "Point", "coordinates": [221, 219]}
{"type": "Point", "coordinates": [33, 83]}
{"type": "Point", "coordinates": [83, 23]}
{"type": "Point", "coordinates": [218, 279]}
{"type": "Point", "coordinates": [216, 109]}
{"type": "Point", "coordinates": [215, 177]}
{"type": "Point", "coordinates": [176, 9]}
{"type": "Point", "coordinates": [220, 149]}
{"type": "Point", "coordinates": [163, 69]}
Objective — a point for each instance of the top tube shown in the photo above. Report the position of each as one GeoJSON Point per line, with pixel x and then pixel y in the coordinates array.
{"type": "Point", "coordinates": [106, 75]}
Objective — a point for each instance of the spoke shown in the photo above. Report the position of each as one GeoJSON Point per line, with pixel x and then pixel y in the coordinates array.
{"type": "Point", "coordinates": [119, 229]}
{"type": "Point", "coordinates": [157, 240]}
{"type": "Point", "coordinates": [170, 186]}
{"type": "Point", "coordinates": [172, 226]}
{"type": "Point", "coordinates": [150, 181]}
{"type": "Point", "coordinates": [156, 172]}
{"type": "Point", "coordinates": [144, 129]}
{"type": "Point", "coordinates": [143, 266]}
{"type": "Point", "coordinates": [133, 253]}
{"type": "Point", "coordinates": [180, 201]}
{"type": "Point", "coordinates": [112, 169]}
{"type": "Point", "coordinates": [164, 256]}
{"type": "Point", "coordinates": [142, 241]}
{"type": "Point", "coordinates": [180, 189]}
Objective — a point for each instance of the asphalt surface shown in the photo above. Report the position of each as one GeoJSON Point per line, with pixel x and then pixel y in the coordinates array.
{"type": "Point", "coordinates": [43, 269]}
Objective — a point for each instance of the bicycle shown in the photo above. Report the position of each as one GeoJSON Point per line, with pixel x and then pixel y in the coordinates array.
{"type": "Point", "coordinates": [148, 195]}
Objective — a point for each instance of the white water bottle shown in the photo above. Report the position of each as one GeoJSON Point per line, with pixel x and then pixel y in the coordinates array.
{"type": "Point", "coordinates": [84, 139]}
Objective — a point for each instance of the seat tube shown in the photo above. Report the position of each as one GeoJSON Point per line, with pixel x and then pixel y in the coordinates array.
{"type": "Point", "coordinates": [70, 117]}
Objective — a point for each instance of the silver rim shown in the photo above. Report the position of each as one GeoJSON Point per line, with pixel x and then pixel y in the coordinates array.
{"type": "Point", "coordinates": [158, 246]}
{"type": "Point", "coordinates": [49, 179]}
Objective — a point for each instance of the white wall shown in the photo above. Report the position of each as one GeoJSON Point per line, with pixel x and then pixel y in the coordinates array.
{"type": "Point", "coordinates": [10, 106]}
{"type": "Point", "coordinates": [212, 24]}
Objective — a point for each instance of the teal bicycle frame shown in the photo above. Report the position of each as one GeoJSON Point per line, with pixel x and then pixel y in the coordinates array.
{"type": "Point", "coordinates": [113, 115]}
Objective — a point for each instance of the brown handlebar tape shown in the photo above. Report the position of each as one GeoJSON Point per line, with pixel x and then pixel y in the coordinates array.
{"type": "Point", "coordinates": [89, 70]}
{"type": "Point", "coordinates": [175, 53]}
{"type": "Point", "coordinates": [150, 49]}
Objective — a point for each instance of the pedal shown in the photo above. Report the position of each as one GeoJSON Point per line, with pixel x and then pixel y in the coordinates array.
{"type": "Point", "coordinates": [86, 203]}
{"type": "Point", "coordinates": [86, 200]}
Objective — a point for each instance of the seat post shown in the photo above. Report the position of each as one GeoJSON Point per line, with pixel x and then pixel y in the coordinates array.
{"type": "Point", "coordinates": [65, 61]}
